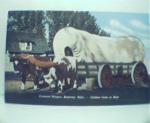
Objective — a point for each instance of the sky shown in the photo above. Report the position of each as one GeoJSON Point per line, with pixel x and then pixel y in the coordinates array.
{"type": "Point", "coordinates": [126, 24]}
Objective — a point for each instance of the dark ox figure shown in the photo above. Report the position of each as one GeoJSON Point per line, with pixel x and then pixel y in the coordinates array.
{"type": "Point", "coordinates": [29, 70]}
{"type": "Point", "coordinates": [61, 71]}
{"type": "Point", "coordinates": [64, 74]}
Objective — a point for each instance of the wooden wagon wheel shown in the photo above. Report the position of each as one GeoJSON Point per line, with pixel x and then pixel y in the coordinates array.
{"type": "Point", "coordinates": [104, 76]}
{"type": "Point", "coordinates": [139, 73]}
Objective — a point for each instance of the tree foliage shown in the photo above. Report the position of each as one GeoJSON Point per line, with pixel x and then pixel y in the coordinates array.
{"type": "Point", "coordinates": [26, 21]}
{"type": "Point", "coordinates": [34, 21]}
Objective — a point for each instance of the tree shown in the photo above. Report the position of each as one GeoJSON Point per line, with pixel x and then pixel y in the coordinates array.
{"type": "Point", "coordinates": [35, 22]}
{"type": "Point", "coordinates": [26, 21]}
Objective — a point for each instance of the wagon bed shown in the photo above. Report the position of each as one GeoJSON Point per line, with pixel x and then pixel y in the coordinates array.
{"type": "Point", "coordinates": [110, 74]}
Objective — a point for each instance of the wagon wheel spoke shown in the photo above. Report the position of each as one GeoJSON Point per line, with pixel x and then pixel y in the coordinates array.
{"type": "Point", "coordinates": [105, 76]}
{"type": "Point", "coordinates": [139, 73]}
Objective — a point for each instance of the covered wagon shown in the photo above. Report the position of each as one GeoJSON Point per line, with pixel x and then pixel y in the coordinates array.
{"type": "Point", "coordinates": [113, 61]}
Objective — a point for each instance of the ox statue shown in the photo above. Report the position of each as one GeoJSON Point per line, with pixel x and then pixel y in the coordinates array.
{"type": "Point", "coordinates": [60, 72]}
{"type": "Point", "coordinates": [31, 66]}
{"type": "Point", "coordinates": [63, 75]}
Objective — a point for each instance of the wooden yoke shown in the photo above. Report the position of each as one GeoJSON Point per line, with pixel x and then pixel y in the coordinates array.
{"type": "Point", "coordinates": [44, 64]}
{"type": "Point", "coordinates": [40, 63]}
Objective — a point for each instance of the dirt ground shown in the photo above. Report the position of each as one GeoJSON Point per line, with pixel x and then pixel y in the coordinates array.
{"type": "Point", "coordinates": [14, 85]}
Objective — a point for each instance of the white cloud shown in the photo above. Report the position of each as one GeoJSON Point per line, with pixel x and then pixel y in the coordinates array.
{"type": "Point", "coordinates": [142, 35]}
{"type": "Point", "coordinates": [140, 25]}
{"type": "Point", "coordinates": [146, 42]}
{"type": "Point", "coordinates": [114, 32]}
{"type": "Point", "coordinates": [119, 26]}
{"type": "Point", "coordinates": [115, 23]}
{"type": "Point", "coordinates": [116, 27]}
